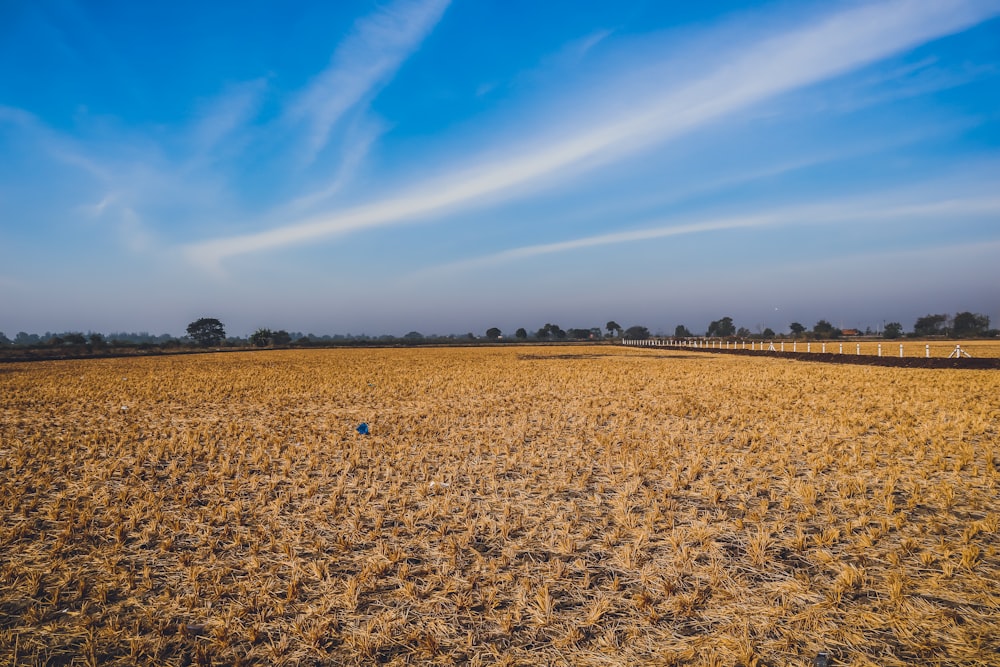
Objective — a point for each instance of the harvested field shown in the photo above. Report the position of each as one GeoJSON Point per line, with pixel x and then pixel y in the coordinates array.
{"type": "Point", "coordinates": [512, 505]}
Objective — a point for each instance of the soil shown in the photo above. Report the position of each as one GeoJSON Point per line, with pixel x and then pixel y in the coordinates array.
{"type": "Point", "coordinates": [871, 360]}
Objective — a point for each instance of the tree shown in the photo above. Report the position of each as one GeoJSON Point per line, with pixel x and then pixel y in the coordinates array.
{"type": "Point", "coordinates": [743, 332]}
{"type": "Point", "coordinates": [930, 325]}
{"type": "Point", "coordinates": [768, 333]}
{"type": "Point", "coordinates": [521, 333]}
{"type": "Point", "coordinates": [261, 337]}
{"type": "Point", "coordinates": [4, 340]}
{"type": "Point", "coordinates": [681, 331]}
{"type": "Point", "coordinates": [206, 331]}
{"type": "Point", "coordinates": [493, 333]}
{"type": "Point", "coordinates": [796, 329]}
{"type": "Point", "coordinates": [550, 330]}
{"type": "Point", "coordinates": [824, 329]}
{"type": "Point", "coordinates": [74, 338]}
{"type": "Point", "coordinates": [579, 334]}
{"type": "Point", "coordinates": [613, 327]}
{"type": "Point", "coordinates": [413, 336]}
{"type": "Point", "coordinates": [893, 330]}
{"type": "Point", "coordinates": [25, 338]}
{"type": "Point", "coordinates": [281, 337]}
{"type": "Point", "coordinates": [970, 325]}
{"type": "Point", "coordinates": [96, 339]}
{"type": "Point", "coordinates": [722, 328]}
{"type": "Point", "coordinates": [637, 333]}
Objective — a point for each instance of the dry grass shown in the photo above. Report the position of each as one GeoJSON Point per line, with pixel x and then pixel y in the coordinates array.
{"type": "Point", "coordinates": [577, 506]}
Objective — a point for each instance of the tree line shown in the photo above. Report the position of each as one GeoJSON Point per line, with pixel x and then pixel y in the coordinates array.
{"type": "Point", "coordinates": [962, 325]}
{"type": "Point", "coordinates": [210, 332]}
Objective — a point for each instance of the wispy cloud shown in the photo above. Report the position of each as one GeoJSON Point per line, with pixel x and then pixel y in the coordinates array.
{"type": "Point", "coordinates": [356, 146]}
{"type": "Point", "coordinates": [369, 57]}
{"type": "Point", "coordinates": [220, 121]}
{"type": "Point", "coordinates": [841, 212]}
{"type": "Point", "coordinates": [831, 46]}
{"type": "Point", "coordinates": [52, 144]}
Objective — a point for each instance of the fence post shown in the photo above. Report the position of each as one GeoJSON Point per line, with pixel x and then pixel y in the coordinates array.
{"type": "Point", "coordinates": [824, 348]}
{"type": "Point", "coordinates": [809, 347]}
{"type": "Point", "coordinates": [900, 350]}
{"type": "Point", "coordinates": [795, 346]}
{"type": "Point", "coordinates": [927, 351]}
{"type": "Point", "coordinates": [857, 350]}
{"type": "Point", "coordinates": [880, 349]}
{"type": "Point", "coordinates": [782, 346]}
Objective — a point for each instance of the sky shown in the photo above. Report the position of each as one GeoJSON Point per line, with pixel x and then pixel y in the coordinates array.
{"type": "Point", "coordinates": [447, 167]}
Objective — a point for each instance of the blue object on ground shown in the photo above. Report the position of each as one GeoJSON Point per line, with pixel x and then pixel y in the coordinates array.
{"type": "Point", "coordinates": [363, 428]}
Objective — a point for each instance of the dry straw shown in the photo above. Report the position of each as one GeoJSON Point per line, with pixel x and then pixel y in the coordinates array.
{"type": "Point", "coordinates": [577, 506]}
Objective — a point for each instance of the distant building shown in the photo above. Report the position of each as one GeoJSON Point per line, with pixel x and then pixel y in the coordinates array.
{"type": "Point", "coordinates": [850, 332]}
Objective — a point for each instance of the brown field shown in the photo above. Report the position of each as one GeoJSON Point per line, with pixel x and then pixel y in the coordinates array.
{"type": "Point", "coordinates": [520, 505]}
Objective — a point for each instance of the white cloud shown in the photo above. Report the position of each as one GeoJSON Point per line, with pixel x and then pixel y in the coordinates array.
{"type": "Point", "coordinates": [224, 118]}
{"type": "Point", "coordinates": [369, 56]}
{"type": "Point", "coordinates": [831, 46]}
{"type": "Point", "coordinates": [861, 210]}
{"type": "Point", "coordinates": [356, 146]}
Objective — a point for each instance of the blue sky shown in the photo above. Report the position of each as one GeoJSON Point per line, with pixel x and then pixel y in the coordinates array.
{"type": "Point", "coordinates": [448, 167]}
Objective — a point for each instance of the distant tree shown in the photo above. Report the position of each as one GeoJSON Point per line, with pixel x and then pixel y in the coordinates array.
{"type": "Point", "coordinates": [722, 328]}
{"type": "Point", "coordinates": [25, 338]}
{"type": "Point", "coordinates": [796, 329]}
{"type": "Point", "coordinates": [4, 340]}
{"type": "Point", "coordinates": [206, 331]}
{"type": "Point", "coordinates": [74, 338]}
{"type": "Point", "coordinates": [970, 325]}
{"type": "Point", "coordinates": [767, 333]}
{"type": "Point", "coordinates": [637, 333]}
{"type": "Point", "coordinates": [681, 331]}
{"type": "Point", "coordinates": [613, 327]}
{"type": "Point", "coordinates": [824, 329]}
{"type": "Point", "coordinates": [579, 334]}
{"type": "Point", "coordinates": [413, 336]}
{"type": "Point", "coordinates": [261, 337]}
{"type": "Point", "coordinates": [96, 340]}
{"type": "Point", "coordinates": [281, 337]}
{"type": "Point", "coordinates": [743, 332]}
{"type": "Point", "coordinates": [893, 330]}
{"type": "Point", "coordinates": [521, 333]}
{"type": "Point", "coordinates": [550, 331]}
{"type": "Point", "coordinates": [930, 325]}
{"type": "Point", "coordinates": [493, 333]}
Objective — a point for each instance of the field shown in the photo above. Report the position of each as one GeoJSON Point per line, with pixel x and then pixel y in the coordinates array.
{"type": "Point", "coordinates": [513, 505]}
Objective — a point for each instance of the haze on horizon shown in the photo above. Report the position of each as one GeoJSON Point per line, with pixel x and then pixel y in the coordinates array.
{"type": "Point", "coordinates": [448, 167]}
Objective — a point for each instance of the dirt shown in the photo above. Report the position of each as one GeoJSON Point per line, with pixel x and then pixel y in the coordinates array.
{"type": "Point", "coordinates": [871, 360]}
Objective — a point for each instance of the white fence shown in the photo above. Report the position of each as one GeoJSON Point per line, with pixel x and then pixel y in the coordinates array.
{"type": "Point", "coordinates": [824, 347]}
